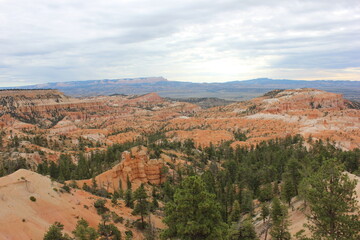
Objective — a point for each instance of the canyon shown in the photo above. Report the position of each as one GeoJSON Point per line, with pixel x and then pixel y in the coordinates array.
{"type": "Point", "coordinates": [43, 125]}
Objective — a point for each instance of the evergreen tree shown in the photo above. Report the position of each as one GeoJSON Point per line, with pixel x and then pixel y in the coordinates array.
{"type": "Point", "coordinates": [128, 182]}
{"type": "Point", "coordinates": [154, 205]}
{"type": "Point", "coordinates": [194, 213]}
{"type": "Point", "coordinates": [333, 204]}
{"type": "Point", "coordinates": [121, 190]}
{"type": "Point", "coordinates": [244, 231]}
{"type": "Point", "coordinates": [287, 189]}
{"type": "Point", "coordinates": [55, 232]}
{"type": "Point", "coordinates": [84, 232]}
{"type": "Point", "coordinates": [129, 201]}
{"type": "Point", "coordinates": [265, 212]}
{"type": "Point", "coordinates": [54, 170]}
{"type": "Point", "coordinates": [109, 231]}
{"type": "Point", "coordinates": [293, 167]}
{"type": "Point", "coordinates": [235, 213]}
{"type": "Point", "coordinates": [246, 201]}
{"type": "Point", "coordinates": [142, 205]}
{"type": "Point", "coordinates": [94, 184]}
{"type": "Point", "coordinates": [82, 169]}
{"type": "Point", "coordinates": [266, 193]}
{"type": "Point", "coordinates": [279, 230]}
{"type": "Point", "coordinates": [276, 188]}
{"type": "Point", "coordinates": [247, 231]}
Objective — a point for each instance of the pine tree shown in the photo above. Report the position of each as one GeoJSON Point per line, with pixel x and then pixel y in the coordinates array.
{"type": "Point", "coordinates": [247, 230]}
{"type": "Point", "coordinates": [243, 231]}
{"type": "Point", "coordinates": [94, 183]}
{"type": "Point", "coordinates": [109, 231]}
{"type": "Point", "coordinates": [333, 204]}
{"type": "Point", "coordinates": [142, 205]}
{"type": "Point", "coordinates": [287, 189]}
{"type": "Point", "coordinates": [279, 230]}
{"type": "Point", "coordinates": [265, 212]}
{"type": "Point", "coordinates": [128, 182]}
{"type": "Point", "coordinates": [276, 188]}
{"type": "Point", "coordinates": [246, 201]}
{"type": "Point", "coordinates": [55, 232]}
{"type": "Point", "coordinates": [121, 190]}
{"type": "Point", "coordinates": [84, 232]}
{"type": "Point", "coordinates": [293, 167]}
{"type": "Point", "coordinates": [266, 193]}
{"type": "Point", "coordinates": [194, 213]}
{"type": "Point", "coordinates": [129, 201]}
{"type": "Point", "coordinates": [235, 213]}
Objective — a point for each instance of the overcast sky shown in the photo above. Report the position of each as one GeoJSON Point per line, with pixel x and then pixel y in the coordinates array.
{"type": "Point", "coordinates": [187, 40]}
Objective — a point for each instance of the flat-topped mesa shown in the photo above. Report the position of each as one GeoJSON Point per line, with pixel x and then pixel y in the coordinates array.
{"type": "Point", "coordinates": [300, 99]}
{"type": "Point", "coordinates": [15, 98]}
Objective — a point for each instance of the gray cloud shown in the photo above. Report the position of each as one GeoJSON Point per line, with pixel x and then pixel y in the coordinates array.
{"type": "Point", "coordinates": [64, 40]}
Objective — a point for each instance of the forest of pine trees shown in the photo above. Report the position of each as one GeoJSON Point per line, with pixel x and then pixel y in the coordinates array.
{"type": "Point", "coordinates": [212, 197]}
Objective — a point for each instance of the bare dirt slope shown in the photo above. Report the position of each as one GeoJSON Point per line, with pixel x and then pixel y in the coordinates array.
{"type": "Point", "coordinates": [21, 218]}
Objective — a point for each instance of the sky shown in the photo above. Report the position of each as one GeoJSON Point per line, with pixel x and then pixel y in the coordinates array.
{"type": "Point", "coordinates": [184, 40]}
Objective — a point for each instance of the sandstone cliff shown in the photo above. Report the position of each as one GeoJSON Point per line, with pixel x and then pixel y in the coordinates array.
{"type": "Point", "coordinates": [134, 164]}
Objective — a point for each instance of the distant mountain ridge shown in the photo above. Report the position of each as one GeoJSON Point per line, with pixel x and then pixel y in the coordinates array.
{"type": "Point", "coordinates": [233, 90]}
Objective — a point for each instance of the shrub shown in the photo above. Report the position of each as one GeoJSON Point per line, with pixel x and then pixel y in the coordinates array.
{"type": "Point", "coordinates": [129, 234]}
{"type": "Point", "coordinates": [66, 188]}
{"type": "Point", "coordinates": [116, 218]}
{"type": "Point", "coordinates": [100, 206]}
{"type": "Point", "coordinates": [32, 198]}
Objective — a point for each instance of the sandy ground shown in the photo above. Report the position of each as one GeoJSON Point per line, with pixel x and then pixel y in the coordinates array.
{"type": "Point", "coordinates": [21, 218]}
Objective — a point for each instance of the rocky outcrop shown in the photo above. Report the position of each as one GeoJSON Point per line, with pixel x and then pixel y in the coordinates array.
{"type": "Point", "coordinates": [135, 165]}
{"type": "Point", "coordinates": [296, 99]}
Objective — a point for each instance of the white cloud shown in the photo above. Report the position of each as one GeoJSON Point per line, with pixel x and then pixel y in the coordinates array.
{"type": "Point", "coordinates": [64, 40]}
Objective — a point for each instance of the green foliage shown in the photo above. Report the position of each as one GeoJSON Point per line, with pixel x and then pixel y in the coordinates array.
{"type": "Point", "coordinates": [194, 213]}
{"type": "Point", "coordinates": [32, 198]}
{"type": "Point", "coordinates": [246, 201]}
{"type": "Point", "coordinates": [141, 204]}
{"type": "Point", "coordinates": [84, 232]}
{"type": "Point", "coordinates": [114, 198]}
{"type": "Point", "coordinates": [121, 190]}
{"type": "Point", "coordinates": [231, 175]}
{"type": "Point", "coordinates": [288, 190]}
{"type": "Point", "coordinates": [129, 201]}
{"type": "Point", "coordinates": [247, 230]}
{"type": "Point", "coordinates": [266, 193]}
{"type": "Point", "coordinates": [8, 166]}
{"type": "Point", "coordinates": [116, 218]}
{"type": "Point", "coordinates": [128, 182]}
{"type": "Point", "coordinates": [333, 204]}
{"type": "Point", "coordinates": [265, 211]}
{"type": "Point", "coordinates": [109, 231]}
{"type": "Point", "coordinates": [239, 136]}
{"type": "Point", "coordinates": [100, 206]}
{"type": "Point", "coordinates": [244, 231]}
{"type": "Point", "coordinates": [55, 232]}
{"type": "Point", "coordinates": [129, 234]}
{"type": "Point", "coordinates": [154, 204]}
{"type": "Point", "coordinates": [96, 163]}
{"type": "Point", "coordinates": [279, 217]}
{"type": "Point", "coordinates": [66, 188]}
{"type": "Point", "coordinates": [235, 213]}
